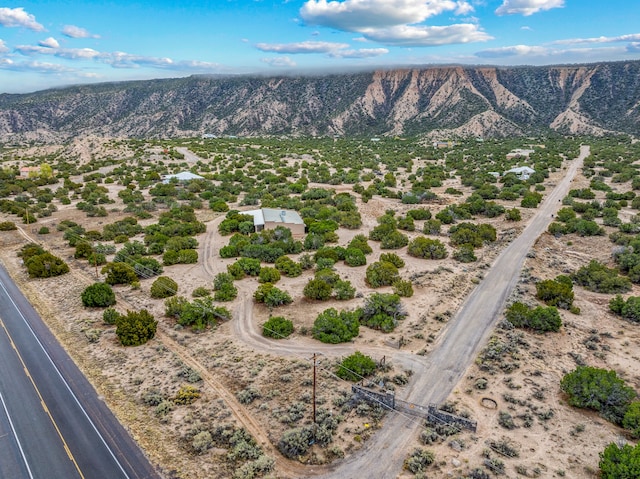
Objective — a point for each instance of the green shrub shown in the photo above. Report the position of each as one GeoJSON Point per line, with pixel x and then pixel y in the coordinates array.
{"type": "Point", "coordinates": [269, 275]}
{"type": "Point", "coordinates": [110, 316]}
{"type": "Point", "coordinates": [513, 214]}
{"type": "Point", "coordinates": [135, 327]}
{"type": "Point", "coordinates": [355, 367]}
{"type": "Point", "coordinates": [46, 265]}
{"type": "Point", "coordinates": [600, 390]}
{"type": "Point", "coordinates": [403, 288]}
{"type": "Point", "coordinates": [620, 462]}
{"type": "Point", "coordinates": [382, 311]}
{"type": "Point", "coordinates": [277, 327]}
{"type": "Point", "coordinates": [344, 290]}
{"type": "Point", "coordinates": [540, 319]}
{"type": "Point", "coordinates": [98, 295]}
{"type": "Point", "coordinates": [288, 267]}
{"type": "Point", "coordinates": [295, 442]}
{"type": "Point", "coordinates": [163, 287]}
{"type": "Point", "coordinates": [394, 240]}
{"type": "Point", "coordinates": [381, 273]}
{"type": "Point", "coordinates": [335, 327]}
{"type": "Point", "coordinates": [465, 254]}
{"type": "Point", "coordinates": [558, 292]}
{"type": "Point", "coordinates": [631, 420]}
{"type": "Point", "coordinates": [8, 226]}
{"type": "Point", "coordinates": [598, 278]}
{"type": "Point", "coordinates": [432, 227]}
{"type": "Point", "coordinates": [271, 296]}
{"type": "Point", "coordinates": [629, 309]}
{"type": "Point", "coordinates": [317, 289]}
{"type": "Point", "coordinates": [119, 273]}
{"type": "Point", "coordinates": [226, 292]}
{"type": "Point", "coordinates": [360, 242]}
{"type": "Point", "coordinates": [419, 460]}
{"type": "Point", "coordinates": [392, 258]}
{"type": "Point", "coordinates": [200, 292]}
{"type": "Point", "coordinates": [355, 257]}
{"type": "Point", "coordinates": [427, 248]}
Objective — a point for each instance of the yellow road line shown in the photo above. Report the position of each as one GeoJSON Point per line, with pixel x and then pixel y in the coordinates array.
{"type": "Point", "coordinates": [44, 405]}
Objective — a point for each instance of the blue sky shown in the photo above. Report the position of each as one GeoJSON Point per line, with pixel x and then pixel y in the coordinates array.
{"type": "Point", "coordinates": [50, 43]}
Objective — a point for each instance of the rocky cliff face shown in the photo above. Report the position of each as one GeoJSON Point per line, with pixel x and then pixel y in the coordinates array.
{"type": "Point", "coordinates": [480, 101]}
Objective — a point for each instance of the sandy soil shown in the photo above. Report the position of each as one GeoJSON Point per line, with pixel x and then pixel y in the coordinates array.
{"type": "Point", "coordinates": [562, 443]}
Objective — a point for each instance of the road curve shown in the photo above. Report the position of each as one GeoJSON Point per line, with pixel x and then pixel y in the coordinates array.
{"type": "Point", "coordinates": [436, 375]}
{"type": "Point", "coordinates": [57, 425]}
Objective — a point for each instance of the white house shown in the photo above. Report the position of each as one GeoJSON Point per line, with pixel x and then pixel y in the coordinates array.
{"type": "Point", "coordinates": [271, 218]}
{"type": "Point", "coordinates": [522, 172]}
{"type": "Point", "coordinates": [182, 177]}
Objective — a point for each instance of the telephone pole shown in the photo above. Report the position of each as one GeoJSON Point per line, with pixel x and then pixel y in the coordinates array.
{"type": "Point", "coordinates": [314, 393]}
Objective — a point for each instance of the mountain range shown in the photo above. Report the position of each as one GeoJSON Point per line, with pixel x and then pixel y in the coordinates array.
{"type": "Point", "coordinates": [602, 98]}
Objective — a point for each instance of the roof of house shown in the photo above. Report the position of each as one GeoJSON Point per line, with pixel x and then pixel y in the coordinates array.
{"type": "Point", "coordinates": [518, 170]}
{"type": "Point", "coordinates": [282, 216]}
{"type": "Point", "coordinates": [258, 217]}
{"type": "Point", "coordinates": [273, 215]}
{"type": "Point", "coordinates": [183, 176]}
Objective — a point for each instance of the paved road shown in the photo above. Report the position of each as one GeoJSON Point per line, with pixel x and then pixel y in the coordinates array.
{"type": "Point", "coordinates": [52, 423]}
{"type": "Point", "coordinates": [458, 346]}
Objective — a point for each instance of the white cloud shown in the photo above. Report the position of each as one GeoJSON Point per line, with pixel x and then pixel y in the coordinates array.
{"type": "Point", "coordinates": [69, 53]}
{"type": "Point", "coordinates": [49, 43]}
{"type": "Point", "coordinates": [396, 22]}
{"type": "Point", "coordinates": [633, 47]}
{"type": "Point", "coordinates": [620, 38]}
{"type": "Point", "coordinates": [17, 17]}
{"type": "Point", "coordinates": [38, 67]}
{"type": "Point", "coordinates": [77, 32]}
{"type": "Point", "coordinates": [127, 60]}
{"type": "Point", "coordinates": [301, 47]}
{"type": "Point", "coordinates": [527, 7]}
{"type": "Point", "coordinates": [526, 28]}
{"type": "Point", "coordinates": [3, 47]}
{"type": "Point", "coordinates": [356, 15]}
{"type": "Point", "coordinates": [421, 36]}
{"type": "Point", "coordinates": [359, 53]}
{"type": "Point", "coordinates": [514, 50]}
{"type": "Point", "coordinates": [279, 62]}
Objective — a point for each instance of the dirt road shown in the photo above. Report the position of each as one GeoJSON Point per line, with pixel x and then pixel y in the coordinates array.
{"type": "Point", "coordinates": [436, 375]}
{"type": "Point", "coordinates": [458, 346]}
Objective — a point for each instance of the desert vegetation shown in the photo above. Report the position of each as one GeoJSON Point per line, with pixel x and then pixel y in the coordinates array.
{"type": "Point", "coordinates": [398, 232]}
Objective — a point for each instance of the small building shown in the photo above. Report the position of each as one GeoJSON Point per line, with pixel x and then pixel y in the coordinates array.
{"type": "Point", "coordinates": [29, 172]}
{"type": "Point", "coordinates": [271, 218]}
{"type": "Point", "coordinates": [182, 177]}
{"type": "Point", "coordinates": [519, 153]}
{"type": "Point", "coordinates": [522, 172]}
{"type": "Point", "coordinates": [444, 144]}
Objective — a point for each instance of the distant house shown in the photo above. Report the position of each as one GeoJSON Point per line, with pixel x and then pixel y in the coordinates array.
{"type": "Point", "coordinates": [522, 172]}
{"type": "Point", "coordinates": [182, 177]}
{"type": "Point", "coordinates": [519, 153]}
{"type": "Point", "coordinates": [29, 172]}
{"type": "Point", "coordinates": [271, 218]}
{"type": "Point", "coordinates": [444, 144]}
{"type": "Point", "coordinates": [208, 136]}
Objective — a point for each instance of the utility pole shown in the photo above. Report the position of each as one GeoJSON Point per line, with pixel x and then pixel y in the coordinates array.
{"type": "Point", "coordinates": [314, 393]}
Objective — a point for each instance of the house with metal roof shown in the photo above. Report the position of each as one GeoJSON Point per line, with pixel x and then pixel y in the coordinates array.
{"type": "Point", "coordinates": [271, 218]}
{"type": "Point", "coordinates": [522, 172]}
{"type": "Point", "coordinates": [182, 177]}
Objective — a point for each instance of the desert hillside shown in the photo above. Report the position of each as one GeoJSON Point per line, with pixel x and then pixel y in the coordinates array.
{"type": "Point", "coordinates": [441, 101]}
